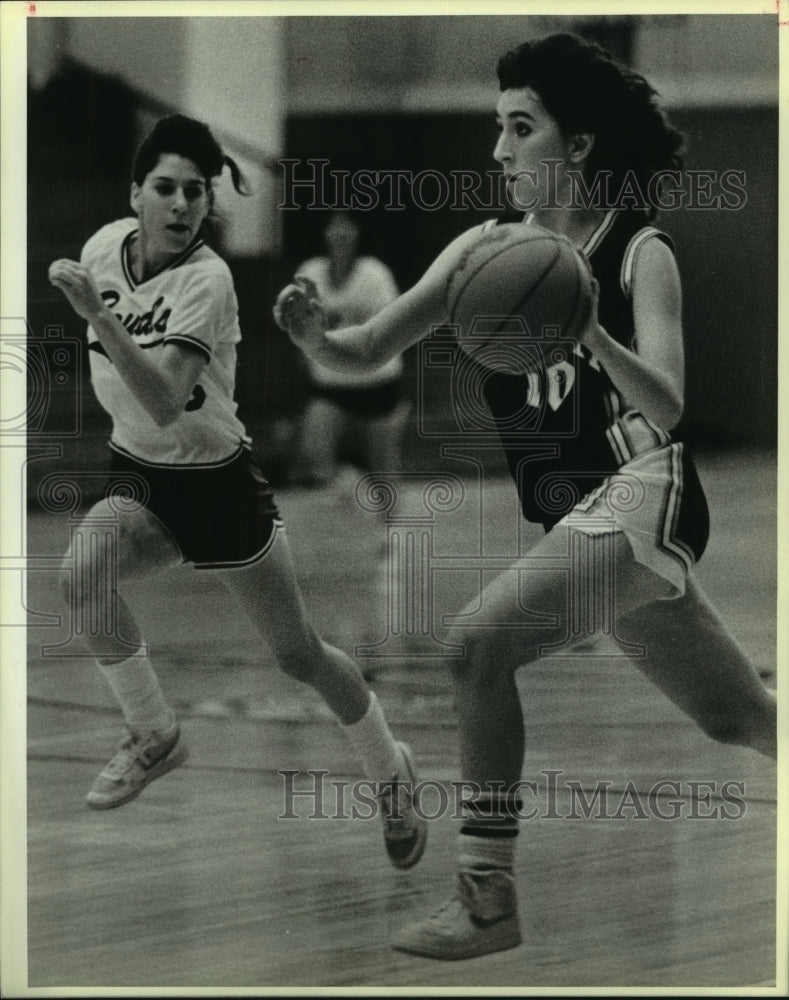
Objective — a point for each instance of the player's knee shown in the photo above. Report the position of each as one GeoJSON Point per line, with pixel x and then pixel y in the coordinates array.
{"type": "Point", "coordinates": [75, 579]}
{"type": "Point", "coordinates": [302, 663]}
{"type": "Point", "coordinates": [296, 666]}
{"type": "Point", "coordinates": [727, 729]}
{"type": "Point", "coordinates": [83, 582]}
{"type": "Point", "coordinates": [491, 654]}
{"type": "Point", "coordinates": [747, 723]}
{"type": "Point", "coordinates": [479, 666]}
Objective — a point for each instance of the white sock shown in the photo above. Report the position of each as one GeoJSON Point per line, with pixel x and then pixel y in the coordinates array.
{"type": "Point", "coordinates": [373, 741]}
{"type": "Point", "coordinates": [487, 864]}
{"type": "Point", "coordinates": [139, 694]}
{"type": "Point", "coordinates": [485, 853]}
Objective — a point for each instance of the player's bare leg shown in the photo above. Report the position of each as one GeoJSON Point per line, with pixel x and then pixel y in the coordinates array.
{"type": "Point", "coordinates": [484, 681]}
{"type": "Point", "coordinates": [696, 661]}
{"type": "Point", "coordinates": [93, 574]}
{"type": "Point", "coordinates": [483, 917]}
{"type": "Point", "coordinates": [689, 654]}
{"type": "Point", "coordinates": [268, 592]}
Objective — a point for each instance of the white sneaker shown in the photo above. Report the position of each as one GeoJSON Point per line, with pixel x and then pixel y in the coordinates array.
{"type": "Point", "coordinates": [482, 917]}
{"type": "Point", "coordinates": [405, 833]}
{"type": "Point", "coordinates": [140, 758]}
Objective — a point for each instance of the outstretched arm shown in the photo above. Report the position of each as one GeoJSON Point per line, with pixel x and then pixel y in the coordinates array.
{"type": "Point", "coordinates": [397, 326]}
{"type": "Point", "coordinates": [650, 377]}
{"type": "Point", "coordinates": [163, 386]}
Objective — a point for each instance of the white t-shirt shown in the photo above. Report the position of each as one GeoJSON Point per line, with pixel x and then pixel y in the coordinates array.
{"type": "Point", "coordinates": [369, 287]}
{"type": "Point", "coordinates": [191, 301]}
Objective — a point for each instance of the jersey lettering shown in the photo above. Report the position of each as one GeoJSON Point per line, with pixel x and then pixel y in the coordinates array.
{"type": "Point", "coordinates": [152, 321]}
{"type": "Point", "coordinates": [195, 294]}
{"type": "Point", "coordinates": [197, 399]}
{"type": "Point", "coordinates": [560, 379]}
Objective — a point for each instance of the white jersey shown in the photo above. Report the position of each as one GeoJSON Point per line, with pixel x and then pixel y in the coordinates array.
{"type": "Point", "coordinates": [369, 287]}
{"type": "Point", "coordinates": [191, 301]}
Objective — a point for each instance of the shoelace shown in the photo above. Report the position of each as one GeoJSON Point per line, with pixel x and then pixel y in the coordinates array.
{"type": "Point", "coordinates": [128, 753]}
{"type": "Point", "coordinates": [124, 758]}
{"type": "Point", "coordinates": [465, 898]}
{"type": "Point", "coordinates": [447, 909]}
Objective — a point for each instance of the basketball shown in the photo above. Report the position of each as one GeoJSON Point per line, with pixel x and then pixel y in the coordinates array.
{"type": "Point", "coordinates": [517, 293]}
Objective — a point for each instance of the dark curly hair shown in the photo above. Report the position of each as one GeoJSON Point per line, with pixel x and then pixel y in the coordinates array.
{"type": "Point", "coordinates": [584, 90]}
{"type": "Point", "coordinates": [188, 138]}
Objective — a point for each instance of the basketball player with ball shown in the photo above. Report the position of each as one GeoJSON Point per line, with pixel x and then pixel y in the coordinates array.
{"type": "Point", "coordinates": [595, 463]}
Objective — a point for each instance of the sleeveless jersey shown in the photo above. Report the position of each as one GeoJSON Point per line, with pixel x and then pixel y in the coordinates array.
{"type": "Point", "coordinates": [369, 287]}
{"type": "Point", "coordinates": [577, 428]}
{"type": "Point", "coordinates": [191, 301]}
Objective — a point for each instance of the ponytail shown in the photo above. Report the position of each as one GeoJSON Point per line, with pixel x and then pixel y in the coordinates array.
{"type": "Point", "coordinates": [239, 181]}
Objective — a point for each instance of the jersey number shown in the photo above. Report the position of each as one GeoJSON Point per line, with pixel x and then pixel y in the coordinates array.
{"type": "Point", "coordinates": [197, 400]}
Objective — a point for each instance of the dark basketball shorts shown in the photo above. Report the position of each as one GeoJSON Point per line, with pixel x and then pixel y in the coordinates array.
{"type": "Point", "coordinates": [220, 517]}
{"type": "Point", "coordinates": [367, 402]}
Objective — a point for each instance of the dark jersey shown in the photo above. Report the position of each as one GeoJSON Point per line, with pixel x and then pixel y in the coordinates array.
{"type": "Point", "coordinates": [575, 428]}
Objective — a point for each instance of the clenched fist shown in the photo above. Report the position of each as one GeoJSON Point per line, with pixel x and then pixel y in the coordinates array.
{"type": "Point", "coordinates": [77, 284]}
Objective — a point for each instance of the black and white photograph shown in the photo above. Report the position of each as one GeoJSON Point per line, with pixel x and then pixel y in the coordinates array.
{"type": "Point", "coordinates": [392, 533]}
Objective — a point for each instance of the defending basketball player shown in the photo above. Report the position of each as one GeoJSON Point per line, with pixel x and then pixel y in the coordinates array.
{"type": "Point", "coordinates": [628, 492]}
{"type": "Point", "coordinates": [162, 332]}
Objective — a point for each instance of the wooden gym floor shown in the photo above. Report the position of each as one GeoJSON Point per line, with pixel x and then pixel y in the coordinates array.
{"type": "Point", "coordinates": [199, 883]}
